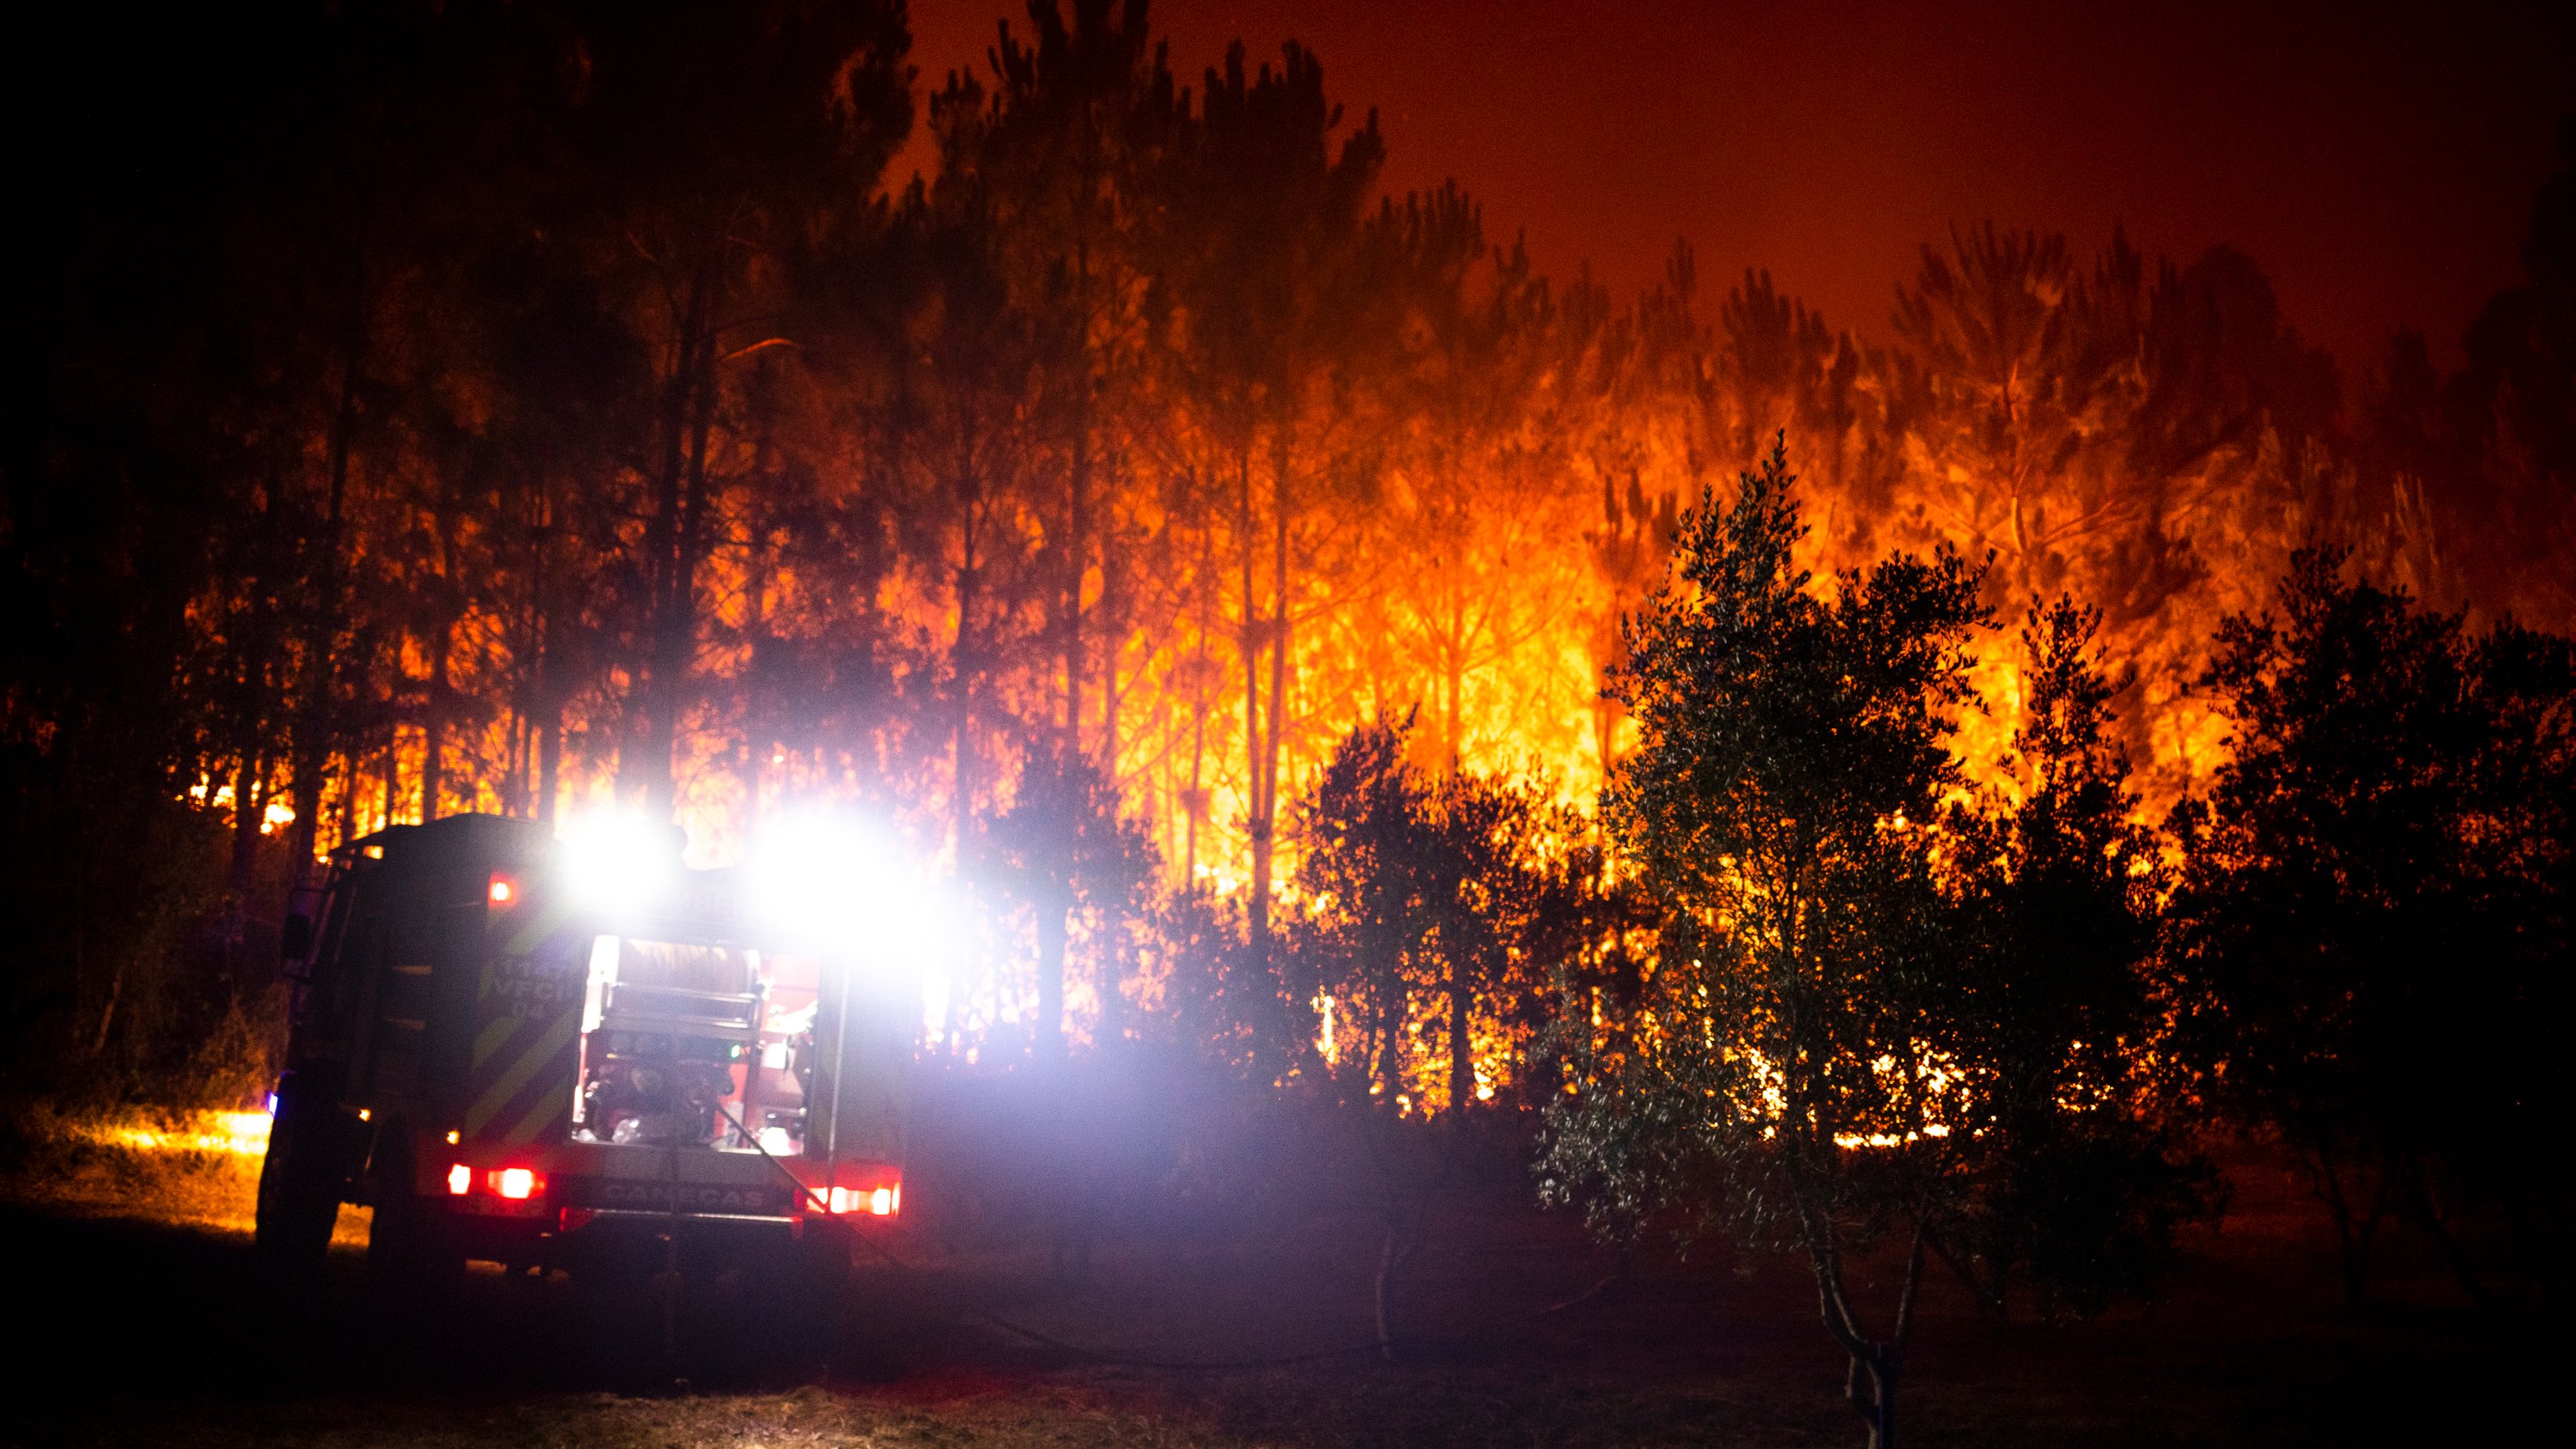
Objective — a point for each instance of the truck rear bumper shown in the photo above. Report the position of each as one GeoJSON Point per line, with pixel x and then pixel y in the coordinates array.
{"type": "Point", "coordinates": [572, 1238]}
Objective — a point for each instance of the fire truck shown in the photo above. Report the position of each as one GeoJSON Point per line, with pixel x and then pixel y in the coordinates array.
{"type": "Point", "coordinates": [613, 1066]}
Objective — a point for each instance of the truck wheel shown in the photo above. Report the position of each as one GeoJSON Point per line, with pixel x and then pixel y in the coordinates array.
{"type": "Point", "coordinates": [408, 1250]}
{"type": "Point", "coordinates": [299, 1183]}
{"type": "Point", "coordinates": [809, 1281]}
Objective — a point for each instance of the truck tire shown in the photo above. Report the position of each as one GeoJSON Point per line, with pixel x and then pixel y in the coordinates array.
{"type": "Point", "coordinates": [299, 1181]}
{"type": "Point", "coordinates": [808, 1282]}
{"type": "Point", "coordinates": [409, 1252]}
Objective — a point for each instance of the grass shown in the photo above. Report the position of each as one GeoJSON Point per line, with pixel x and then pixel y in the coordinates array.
{"type": "Point", "coordinates": [198, 1169]}
{"type": "Point", "coordinates": [183, 1168]}
{"type": "Point", "coordinates": [153, 1329]}
{"type": "Point", "coordinates": [812, 1416]}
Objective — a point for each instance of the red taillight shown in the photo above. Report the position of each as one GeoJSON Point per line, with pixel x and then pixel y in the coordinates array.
{"type": "Point", "coordinates": [876, 1202]}
{"type": "Point", "coordinates": [518, 1184]}
{"type": "Point", "coordinates": [503, 890]}
{"type": "Point", "coordinates": [460, 1180]}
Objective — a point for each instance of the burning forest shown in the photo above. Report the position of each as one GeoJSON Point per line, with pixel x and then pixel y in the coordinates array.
{"type": "Point", "coordinates": [1334, 723]}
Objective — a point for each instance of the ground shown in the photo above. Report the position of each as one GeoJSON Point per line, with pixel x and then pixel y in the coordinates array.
{"type": "Point", "coordinates": [141, 1321]}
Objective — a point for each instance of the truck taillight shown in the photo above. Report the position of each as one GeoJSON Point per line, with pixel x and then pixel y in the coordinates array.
{"type": "Point", "coordinates": [876, 1202]}
{"type": "Point", "coordinates": [503, 889]}
{"type": "Point", "coordinates": [514, 1184]}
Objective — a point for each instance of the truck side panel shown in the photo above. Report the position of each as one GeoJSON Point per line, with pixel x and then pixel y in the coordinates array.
{"type": "Point", "coordinates": [862, 1119]}
{"type": "Point", "coordinates": [524, 1050]}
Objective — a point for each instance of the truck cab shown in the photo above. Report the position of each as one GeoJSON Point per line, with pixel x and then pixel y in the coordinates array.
{"type": "Point", "coordinates": [509, 1064]}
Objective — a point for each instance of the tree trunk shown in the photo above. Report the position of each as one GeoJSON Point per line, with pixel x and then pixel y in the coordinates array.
{"type": "Point", "coordinates": [348, 822]}
{"type": "Point", "coordinates": [1112, 630]}
{"type": "Point", "coordinates": [1076, 547]}
{"type": "Point", "coordinates": [1113, 1002]}
{"type": "Point", "coordinates": [2355, 1227]}
{"type": "Point", "coordinates": [676, 638]}
{"type": "Point", "coordinates": [1400, 1235]}
{"type": "Point", "coordinates": [535, 702]}
{"type": "Point", "coordinates": [442, 695]}
{"type": "Point", "coordinates": [1870, 1386]}
{"type": "Point", "coordinates": [1196, 804]}
{"type": "Point", "coordinates": [1876, 1365]}
{"type": "Point", "coordinates": [322, 633]}
{"type": "Point", "coordinates": [393, 775]}
{"type": "Point", "coordinates": [1051, 939]}
{"type": "Point", "coordinates": [961, 664]}
{"type": "Point", "coordinates": [1257, 813]}
{"type": "Point", "coordinates": [247, 809]}
{"type": "Point", "coordinates": [433, 780]}
{"type": "Point", "coordinates": [1265, 836]}
{"type": "Point", "coordinates": [644, 767]}
{"type": "Point", "coordinates": [1390, 1262]}
{"type": "Point", "coordinates": [107, 1012]}
{"type": "Point", "coordinates": [1462, 1057]}
{"type": "Point", "coordinates": [549, 758]}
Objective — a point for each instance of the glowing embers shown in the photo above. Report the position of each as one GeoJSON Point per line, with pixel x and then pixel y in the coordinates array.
{"type": "Point", "coordinates": [1855, 1141]}
{"type": "Point", "coordinates": [274, 815]}
{"type": "Point", "coordinates": [240, 1134]}
{"type": "Point", "coordinates": [1901, 1106]}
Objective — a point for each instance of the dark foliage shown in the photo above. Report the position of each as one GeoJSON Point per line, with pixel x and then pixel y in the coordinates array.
{"type": "Point", "coordinates": [2369, 935]}
{"type": "Point", "coordinates": [450, 405]}
{"type": "Point", "coordinates": [2079, 1168]}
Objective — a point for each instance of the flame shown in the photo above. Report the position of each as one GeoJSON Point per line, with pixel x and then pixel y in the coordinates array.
{"type": "Point", "coordinates": [240, 1134]}
{"type": "Point", "coordinates": [1483, 582]}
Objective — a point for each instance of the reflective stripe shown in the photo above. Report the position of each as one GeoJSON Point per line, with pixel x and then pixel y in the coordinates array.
{"type": "Point", "coordinates": [550, 1106]}
{"type": "Point", "coordinates": [493, 1037]}
{"type": "Point", "coordinates": [532, 927]}
{"type": "Point", "coordinates": [539, 1056]}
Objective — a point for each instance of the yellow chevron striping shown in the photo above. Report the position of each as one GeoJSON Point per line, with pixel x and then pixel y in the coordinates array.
{"type": "Point", "coordinates": [550, 1105]}
{"type": "Point", "coordinates": [495, 1034]}
{"type": "Point", "coordinates": [507, 1085]}
{"type": "Point", "coordinates": [534, 927]}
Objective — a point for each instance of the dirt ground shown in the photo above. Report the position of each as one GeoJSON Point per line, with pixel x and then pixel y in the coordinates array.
{"type": "Point", "coordinates": [140, 1321]}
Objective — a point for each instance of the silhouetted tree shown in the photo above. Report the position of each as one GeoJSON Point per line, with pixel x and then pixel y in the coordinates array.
{"type": "Point", "coordinates": [709, 148]}
{"type": "Point", "coordinates": [1269, 290]}
{"type": "Point", "coordinates": [2509, 411]}
{"type": "Point", "coordinates": [1427, 909]}
{"type": "Point", "coordinates": [2365, 913]}
{"type": "Point", "coordinates": [1065, 846]}
{"type": "Point", "coordinates": [2074, 1173]}
{"type": "Point", "coordinates": [1791, 760]}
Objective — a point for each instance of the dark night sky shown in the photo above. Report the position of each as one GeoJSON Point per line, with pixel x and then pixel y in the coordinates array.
{"type": "Point", "coordinates": [2378, 161]}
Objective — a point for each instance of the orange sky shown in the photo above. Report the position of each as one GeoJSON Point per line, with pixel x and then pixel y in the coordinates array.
{"type": "Point", "coordinates": [2377, 161]}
